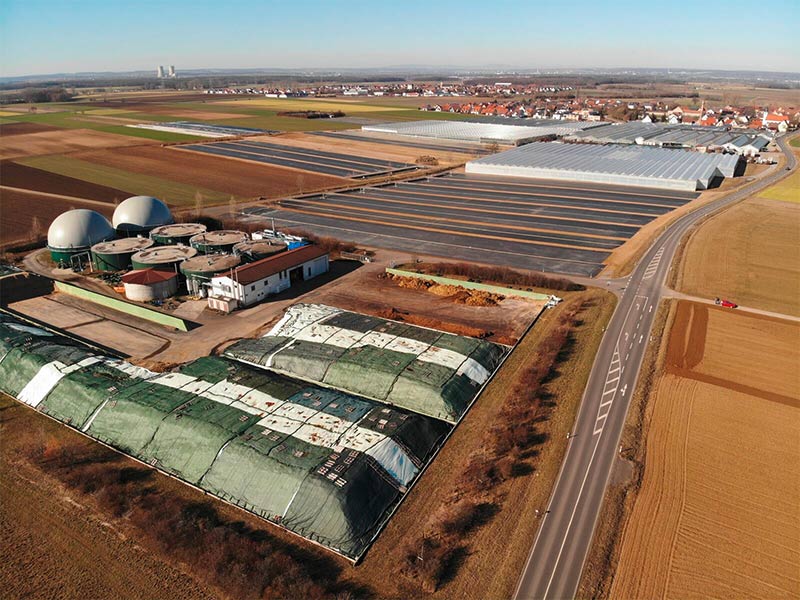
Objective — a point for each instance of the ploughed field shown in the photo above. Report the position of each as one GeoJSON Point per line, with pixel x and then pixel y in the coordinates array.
{"type": "Point", "coordinates": [716, 516]}
{"type": "Point", "coordinates": [540, 225]}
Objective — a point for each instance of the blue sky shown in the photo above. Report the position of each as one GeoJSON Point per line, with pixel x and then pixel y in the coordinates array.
{"type": "Point", "coordinates": [48, 36]}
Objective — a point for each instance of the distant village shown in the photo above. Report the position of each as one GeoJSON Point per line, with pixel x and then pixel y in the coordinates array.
{"type": "Point", "coordinates": [543, 102]}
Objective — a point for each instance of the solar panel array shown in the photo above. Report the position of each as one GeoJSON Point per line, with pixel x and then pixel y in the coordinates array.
{"type": "Point", "coordinates": [634, 165]}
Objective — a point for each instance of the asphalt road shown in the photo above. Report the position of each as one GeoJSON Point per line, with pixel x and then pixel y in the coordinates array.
{"type": "Point", "coordinates": [554, 565]}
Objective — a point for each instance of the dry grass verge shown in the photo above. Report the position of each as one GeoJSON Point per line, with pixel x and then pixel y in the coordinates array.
{"type": "Point", "coordinates": [489, 533]}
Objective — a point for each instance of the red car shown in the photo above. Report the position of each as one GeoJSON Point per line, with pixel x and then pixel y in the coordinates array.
{"type": "Point", "coordinates": [725, 303]}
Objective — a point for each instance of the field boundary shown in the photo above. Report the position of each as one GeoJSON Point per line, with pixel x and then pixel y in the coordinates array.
{"type": "Point", "coordinates": [470, 285]}
{"type": "Point", "coordinates": [122, 306]}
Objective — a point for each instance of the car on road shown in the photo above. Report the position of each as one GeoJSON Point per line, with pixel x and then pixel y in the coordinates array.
{"type": "Point", "coordinates": [725, 303]}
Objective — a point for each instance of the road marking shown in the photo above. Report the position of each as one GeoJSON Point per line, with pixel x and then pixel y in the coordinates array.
{"type": "Point", "coordinates": [606, 402]}
{"type": "Point", "coordinates": [651, 309]}
{"type": "Point", "coordinates": [641, 337]}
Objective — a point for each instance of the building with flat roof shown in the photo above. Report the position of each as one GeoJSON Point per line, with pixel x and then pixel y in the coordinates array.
{"type": "Point", "coordinates": [251, 283]}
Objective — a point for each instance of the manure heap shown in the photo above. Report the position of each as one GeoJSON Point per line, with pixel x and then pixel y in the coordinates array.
{"type": "Point", "coordinates": [423, 370]}
{"type": "Point", "coordinates": [323, 464]}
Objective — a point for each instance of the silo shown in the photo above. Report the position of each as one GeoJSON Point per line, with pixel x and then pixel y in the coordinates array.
{"type": "Point", "coordinates": [215, 242]}
{"type": "Point", "coordinates": [201, 269]}
{"type": "Point", "coordinates": [178, 233]}
{"type": "Point", "coordinates": [140, 214]}
{"type": "Point", "coordinates": [116, 254]}
{"type": "Point", "coordinates": [163, 258]}
{"type": "Point", "coordinates": [146, 285]}
{"type": "Point", "coordinates": [72, 234]}
{"type": "Point", "coordinates": [253, 250]}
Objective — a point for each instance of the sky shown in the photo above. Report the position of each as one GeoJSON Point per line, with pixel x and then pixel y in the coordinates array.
{"type": "Point", "coordinates": [65, 36]}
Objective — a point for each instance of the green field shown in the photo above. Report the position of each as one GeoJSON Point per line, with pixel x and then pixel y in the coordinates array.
{"type": "Point", "coordinates": [786, 190]}
{"type": "Point", "coordinates": [75, 119]}
{"type": "Point", "coordinates": [173, 193]}
{"type": "Point", "coordinates": [795, 141]}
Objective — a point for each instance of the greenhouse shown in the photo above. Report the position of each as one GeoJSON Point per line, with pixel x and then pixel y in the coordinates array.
{"type": "Point", "coordinates": [322, 463]}
{"type": "Point", "coordinates": [423, 370]}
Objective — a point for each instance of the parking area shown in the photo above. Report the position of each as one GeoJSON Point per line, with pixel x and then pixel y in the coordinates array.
{"type": "Point", "coordinates": [316, 161]}
{"type": "Point", "coordinates": [522, 223]}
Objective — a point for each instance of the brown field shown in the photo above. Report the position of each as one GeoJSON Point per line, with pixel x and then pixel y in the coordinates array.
{"type": "Point", "coordinates": [365, 148]}
{"type": "Point", "coordinates": [716, 516]}
{"type": "Point", "coordinates": [19, 209]}
{"type": "Point", "coordinates": [64, 140]}
{"type": "Point", "coordinates": [237, 177]}
{"type": "Point", "coordinates": [749, 253]}
{"type": "Point", "coordinates": [20, 176]}
{"type": "Point", "coordinates": [9, 129]}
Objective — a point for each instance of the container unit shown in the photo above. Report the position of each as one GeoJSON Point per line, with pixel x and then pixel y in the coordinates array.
{"type": "Point", "coordinates": [200, 269]}
{"type": "Point", "coordinates": [116, 254]}
{"type": "Point", "coordinates": [72, 234]}
{"type": "Point", "coordinates": [162, 258]}
{"type": "Point", "coordinates": [147, 285]}
{"type": "Point", "coordinates": [216, 242]}
{"type": "Point", "coordinates": [253, 250]}
{"type": "Point", "coordinates": [178, 233]}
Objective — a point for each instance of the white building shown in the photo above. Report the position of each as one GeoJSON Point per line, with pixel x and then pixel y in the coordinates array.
{"type": "Point", "coordinates": [252, 283]}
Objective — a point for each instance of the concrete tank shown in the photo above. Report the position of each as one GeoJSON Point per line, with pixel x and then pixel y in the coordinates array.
{"type": "Point", "coordinates": [253, 250]}
{"type": "Point", "coordinates": [215, 242]}
{"type": "Point", "coordinates": [163, 258]}
{"type": "Point", "coordinates": [116, 254]}
{"type": "Point", "coordinates": [178, 233]}
{"type": "Point", "coordinates": [146, 285]}
{"type": "Point", "coordinates": [201, 269]}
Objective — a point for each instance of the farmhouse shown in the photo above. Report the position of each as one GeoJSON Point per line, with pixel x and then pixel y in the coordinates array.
{"type": "Point", "coordinates": [251, 283]}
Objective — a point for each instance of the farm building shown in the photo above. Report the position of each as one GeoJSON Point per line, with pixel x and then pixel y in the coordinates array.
{"type": "Point", "coordinates": [140, 214]}
{"type": "Point", "coordinates": [253, 282]}
{"type": "Point", "coordinates": [632, 165]}
{"type": "Point", "coordinates": [674, 136]}
{"type": "Point", "coordinates": [427, 371]}
{"type": "Point", "coordinates": [470, 131]}
{"type": "Point", "coordinates": [146, 285]}
{"type": "Point", "coordinates": [72, 234]}
{"type": "Point", "coordinates": [326, 465]}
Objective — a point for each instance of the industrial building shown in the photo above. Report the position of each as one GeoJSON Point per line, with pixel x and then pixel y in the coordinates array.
{"type": "Point", "coordinates": [147, 285]}
{"type": "Point", "coordinates": [251, 283]}
{"type": "Point", "coordinates": [471, 131]}
{"type": "Point", "coordinates": [72, 234]}
{"type": "Point", "coordinates": [641, 166]}
{"type": "Point", "coordinates": [664, 135]}
{"type": "Point", "coordinates": [139, 215]}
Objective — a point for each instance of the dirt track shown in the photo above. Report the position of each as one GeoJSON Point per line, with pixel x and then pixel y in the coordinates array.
{"type": "Point", "coordinates": [716, 516]}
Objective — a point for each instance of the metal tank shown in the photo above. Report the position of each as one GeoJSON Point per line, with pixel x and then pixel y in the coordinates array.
{"type": "Point", "coordinates": [215, 242]}
{"type": "Point", "coordinates": [72, 234]}
{"type": "Point", "coordinates": [177, 233]}
{"type": "Point", "coordinates": [253, 250]}
{"type": "Point", "coordinates": [116, 254]}
{"type": "Point", "coordinates": [163, 258]}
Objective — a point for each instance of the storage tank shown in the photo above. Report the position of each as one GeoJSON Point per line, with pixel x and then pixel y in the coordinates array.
{"type": "Point", "coordinates": [74, 232]}
{"type": "Point", "coordinates": [146, 285]}
{"type": "Point", "coordinates": [116, 254]}
{"type": "Point", "coordinates": [253, 250]}
{"type": "Point", "coordinates": [163, 258]}
{"type": "Point", "coordinates": [140, 214]}
{"type": "Point", "coordinates": [177, 233]}
{"type": "Point", "coordinates": [201, 269]}
{"type": "Point", "coordinates": [215, 242]}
